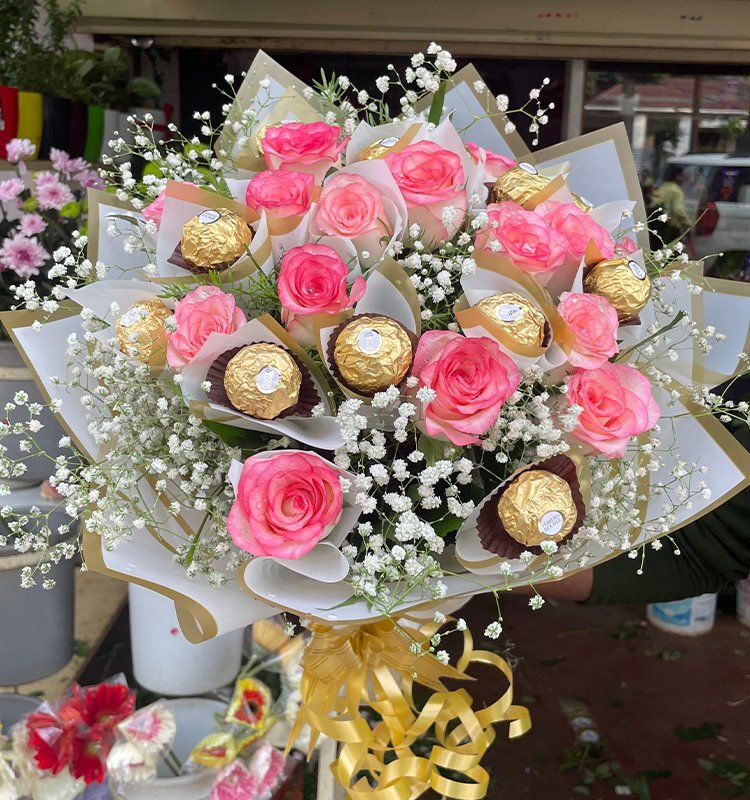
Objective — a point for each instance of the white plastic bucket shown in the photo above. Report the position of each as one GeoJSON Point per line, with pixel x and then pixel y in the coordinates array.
{"type": "Point", "coordinates": [693, 616]}
{"type": "Point", "coordinates": [164, 661]}
{"type": "Point", "coordinates": [743, 601]}
{"type": "Point", "coordinates": [195, 718]}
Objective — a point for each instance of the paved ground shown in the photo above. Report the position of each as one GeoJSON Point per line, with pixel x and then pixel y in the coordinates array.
{"type": "Point", "coordinates": [673, 714]}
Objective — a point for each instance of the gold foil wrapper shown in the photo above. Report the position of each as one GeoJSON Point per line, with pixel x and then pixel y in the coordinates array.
{"type": "Point", "coordinates": [624, 283]}
{"type": "Point", "coordinates": [378, 149]}
{"type": "Point", "coordinates": [262, 380]}
{"type": "Point", "coordinates": [517, 316]}
{"type": "Point", "coordinates": [372, 353]}
{"type": "Point", "coordinates": [142, 334]}
{"type": "Point", "coordinates": [537, 507]}
{"type": "Point", "coordinates": [214, 239]}
{"type": "Point", "coordinates": [519, 184]}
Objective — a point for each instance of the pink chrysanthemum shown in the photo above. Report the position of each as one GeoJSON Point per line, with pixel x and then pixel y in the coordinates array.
{"type": "Point", "coordinates": [10, 189]}
{"type": "Point", "coordinates": [32, 224]}
{"type": "Point", "coordinates": [19, 149]}
{"type": "Point", "coordinates": [53, 194]}
{"type": "Point", "coordinates": [23, 256]}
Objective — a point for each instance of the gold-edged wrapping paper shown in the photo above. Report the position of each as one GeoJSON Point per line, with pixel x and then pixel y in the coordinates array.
{"type": "Point", "coordinates": [373, 665]}
{"type": "Point", "coordinates": [623, 282]}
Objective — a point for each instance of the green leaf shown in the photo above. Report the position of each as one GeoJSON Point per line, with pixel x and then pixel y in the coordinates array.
{"type": "Point", "coordinates": [436, 108]}
{"type": "Point", "coordinates": [144, 88]}
{"type": "Point", "coordinates": [708, 730]}
{"type": "Point", "coordinates": [553, 662]}
{"type": "Point", "coordinates": [348, 602]}
{"type": "Point", "coordinates": [235, 437]}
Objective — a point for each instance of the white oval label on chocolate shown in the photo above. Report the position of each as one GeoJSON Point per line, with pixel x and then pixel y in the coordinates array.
{"type": "Point", "coordinates": [209, 216]}
{"type": "Point", "coordinates": [369, 341]}
{"type": "Point", "coordinates": [509, 312]}
{"type": "Point", "coordinates": [268, 380]}
{"type": "Point", "coordinates": [637, 270]}
{"type": "Point", "coordinates": [530, 168]}
{"type": "Point", "coordinates": [551, 523]}
{"type": "Point", "coordinates": [389, 141]}
{"type": "Point", "coordinates": [131, 316]}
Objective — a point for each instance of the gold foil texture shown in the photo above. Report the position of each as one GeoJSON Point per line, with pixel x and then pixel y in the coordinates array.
{"type": "Point", "coordinates": [582, 203]}
{"type": "Point", "coordinates": [537, 507]}
{"type": "Point", "coordinates": [519, 184]}
{"type": "Point", "coordinates": [214, 239]}
{"type": "Point", "coordinates": [624, 283]}
{"type": "Point", "coordinates": [378, 149]}
{"type": "Point", "coordinates": [262, 380]}
{"type": "Point", "coordinates": [517, 316]}
{"type": "Point", "coordinates": [142, 334]}
{"type": "Point", "coordinates": [373, 353]}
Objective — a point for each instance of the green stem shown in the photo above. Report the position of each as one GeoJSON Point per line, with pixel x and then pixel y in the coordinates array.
{"type": "Point", "coordinates": [625, 353]}
{"type": "Point", "coordinates": [436, 109]}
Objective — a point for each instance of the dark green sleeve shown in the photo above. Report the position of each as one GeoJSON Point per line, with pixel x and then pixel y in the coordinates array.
{"type": "Point", "coordinates": [714, 551]}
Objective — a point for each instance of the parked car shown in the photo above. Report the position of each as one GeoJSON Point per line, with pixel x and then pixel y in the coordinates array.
{"type": "Point", "coordinates": [717, 195]}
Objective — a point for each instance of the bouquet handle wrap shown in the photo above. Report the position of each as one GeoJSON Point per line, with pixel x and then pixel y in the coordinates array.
{"type": "Point", "coordinates": [374, 665]}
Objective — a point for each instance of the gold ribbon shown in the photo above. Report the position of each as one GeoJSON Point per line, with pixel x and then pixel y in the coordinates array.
{"type": "Point", "coordinates": [373, 665]}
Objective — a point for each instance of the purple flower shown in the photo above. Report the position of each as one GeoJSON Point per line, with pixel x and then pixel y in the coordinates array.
{"type": "Point", "coordinates": [32, 224]}
{"type": "Point", "coordinates": [19, 149]}
{"type": "Point", "coordinates": [10, 189]}
{"type": "Point", "coordinates": [23, 256]}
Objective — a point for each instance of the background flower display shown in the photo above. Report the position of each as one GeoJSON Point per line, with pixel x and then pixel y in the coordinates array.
{"type": "Point", "coordinates": [366, 366]}
{"type": "Point", "coordinates": [42, 214]}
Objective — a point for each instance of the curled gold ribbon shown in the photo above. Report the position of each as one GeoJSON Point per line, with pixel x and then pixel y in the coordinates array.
{"type": "Point", "coordinates": [375, 666]}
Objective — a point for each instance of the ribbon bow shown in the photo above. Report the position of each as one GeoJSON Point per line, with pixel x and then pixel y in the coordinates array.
{"type": "Point", "coordinates": [375, 666]}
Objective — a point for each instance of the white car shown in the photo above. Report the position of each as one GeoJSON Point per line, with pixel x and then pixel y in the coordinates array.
{"type": "Point", "coordinates": [717, 195]}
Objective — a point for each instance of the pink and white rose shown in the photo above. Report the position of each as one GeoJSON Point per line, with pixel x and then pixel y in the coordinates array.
{"type": "Point", "coordinates": [617, 404]}
{"type": "Point", "coordinates": [154, 210]}
{"type": "Point", "coordinates": [313, 280]}
{"type": "Point", "coordinates": [311, 147]}
{"type": "Point", "coordinates": [472, 379]}
{"type": "Point", "coordinates": [285, 504]}
{"type": "Point", "coordinates": [494, 164]}
{"type": "Point", "coordinates": [523, 236]}
{"type": "Point", "coordinates": [593, 320]}
{"type": "Point", "coordinates": [200, 313]}
{"type": "Point", "coordinates": [576, 227]}
{"type": "Point", "coordinates": [431, 180]}
{"type": "Point", "coordinates": [280, 192]}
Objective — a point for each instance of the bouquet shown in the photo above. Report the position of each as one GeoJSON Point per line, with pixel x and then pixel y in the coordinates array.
{"type": "Point", "coordinates": [360, 366]}
{"type": "Point", "coordinates": [42, 212]}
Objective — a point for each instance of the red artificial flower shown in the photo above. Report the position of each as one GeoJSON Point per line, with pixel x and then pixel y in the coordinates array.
{"type": "Point", "coordinates": [88, 757]}
{"type": "Point", "coordinates": [49, 740]}
{"type": "Point", "coordinates": [107, 704]}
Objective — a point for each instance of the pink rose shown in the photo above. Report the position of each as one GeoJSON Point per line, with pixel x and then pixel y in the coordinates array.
{"type": "Point", "coordinates": [495, 165]}
{"type": "Point", "coordinates": [626, 246]}
{"type": "Point", "coordinates": [201, 312]}
{"type": "Point", "coordinates": [305, 146]}
{"type": "Point", "coordinates": [593, 320]}
{"type": "Point", "coordinates": [285, 504]}
{"type": "Point", "coordinates": [349, 206]}
{"type": "Point", "coordinates": [155, 208]}
{"type": "Point", "coordinates": [431, 181]}
{"type": "Point", "coordinates": [523, 236]}
{"type": "Point", "coordinates": [617, 404]}
{"type": "Point", "coordinates": [281, 192]}
{"type": "Point", "coordinates": [472, 379]}
{"type": "Point", "coordinates": [313, 280]}
{"type": "Point", "coordinates": [576, 227]}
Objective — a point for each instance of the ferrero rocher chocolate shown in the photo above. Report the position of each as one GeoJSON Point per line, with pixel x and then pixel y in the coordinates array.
{"type": "Point", "coordinates": [537, 507]}
{"type": "Point", "coordinates": [378, 149]}
{"type": "Point", "coordinates": [624, 283]}
{"type": "Point", "coordinates": [262, 380]}
{"type": "Point", "coordinates": [372, 353]}
{"type": "Point", "coordinates": [214, 239]}
{"type": "Point", "coordinates": [142, 334]}
{"type": "Point", "coordinates": [519, 184]}
{"type": "Point", "coordinates": [517, 316]}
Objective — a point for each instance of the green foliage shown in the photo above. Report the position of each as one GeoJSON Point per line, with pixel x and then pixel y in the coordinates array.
{"type": "Point", "coordinates": [734, 775]}
{"type": "Point", "coordinates": [708, 730]}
